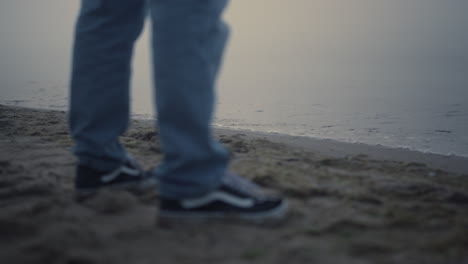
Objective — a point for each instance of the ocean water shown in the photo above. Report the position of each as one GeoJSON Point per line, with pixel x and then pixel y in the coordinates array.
{"type": "Point", "coordinates": [389, 72]}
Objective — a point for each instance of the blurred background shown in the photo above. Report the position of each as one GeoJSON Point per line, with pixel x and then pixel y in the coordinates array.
{"type": "Point", "coordinates": [389, 72]}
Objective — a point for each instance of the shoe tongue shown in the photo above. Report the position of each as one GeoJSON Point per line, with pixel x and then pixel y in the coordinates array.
{"type": "Point", "coordinates": [133, 163]}
{"type": "Point", "coordinates": [235, 181]}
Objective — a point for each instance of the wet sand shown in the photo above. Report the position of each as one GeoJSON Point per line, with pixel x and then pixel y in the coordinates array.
{"type": "Point", "coordinates": [350, 204]}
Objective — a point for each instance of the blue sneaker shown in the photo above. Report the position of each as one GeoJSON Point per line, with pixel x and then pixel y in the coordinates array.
{"type": "Point", "coordinates": [129, 176]}
{"type": "Point", "coordinates": [235, 199]}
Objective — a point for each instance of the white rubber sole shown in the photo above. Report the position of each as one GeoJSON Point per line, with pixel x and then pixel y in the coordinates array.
{"type": "Point", "coordinates": [274, 216]}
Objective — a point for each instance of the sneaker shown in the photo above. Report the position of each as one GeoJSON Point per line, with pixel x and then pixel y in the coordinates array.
{"type": "Point", "coordinates": [129, 176]}
{"type": "Point", "coordinates": [236, 199]}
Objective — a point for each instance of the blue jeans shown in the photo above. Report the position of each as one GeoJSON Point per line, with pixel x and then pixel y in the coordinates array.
{"type": "Point", "coordinates": [188, 41]}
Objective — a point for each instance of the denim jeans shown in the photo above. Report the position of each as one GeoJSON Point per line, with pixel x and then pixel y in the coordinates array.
{"type": "Point", "coordinates": [188, 40]}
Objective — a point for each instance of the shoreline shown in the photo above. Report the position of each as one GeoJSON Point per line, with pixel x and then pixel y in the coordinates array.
{"type": "Point", "coordinates": [338, 149]}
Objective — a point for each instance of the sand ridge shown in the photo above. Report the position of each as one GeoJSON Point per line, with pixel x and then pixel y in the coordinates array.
{"type": "Point", "coordinates": [352, 209]}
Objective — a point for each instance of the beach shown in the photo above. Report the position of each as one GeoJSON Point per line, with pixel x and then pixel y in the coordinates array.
{"type": "Point", "coordinates": [350, 203]}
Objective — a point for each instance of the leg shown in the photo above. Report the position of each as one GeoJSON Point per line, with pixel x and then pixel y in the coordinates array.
{"type": "Point", "coordinates": [99, 109]}
{"type": "Point", "coordinates": [188, 40]}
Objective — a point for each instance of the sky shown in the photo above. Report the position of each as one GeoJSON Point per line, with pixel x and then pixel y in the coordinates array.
{"type": "Point", "coordinates": [330, 31]}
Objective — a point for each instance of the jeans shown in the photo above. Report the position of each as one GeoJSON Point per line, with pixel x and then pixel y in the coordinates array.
{"type": "Point", "coordinates": [188, 40]}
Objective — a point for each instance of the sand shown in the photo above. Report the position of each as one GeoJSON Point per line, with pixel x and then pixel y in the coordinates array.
{"type": "Point", "coordinates": [349, 204]}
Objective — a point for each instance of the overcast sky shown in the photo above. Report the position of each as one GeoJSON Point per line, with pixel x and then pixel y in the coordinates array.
{"type": "Point", "coordinates": [288, 39]}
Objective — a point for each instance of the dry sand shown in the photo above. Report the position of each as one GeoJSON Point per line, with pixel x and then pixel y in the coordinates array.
{"type": "Point", "coordinates": [346, 208]}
